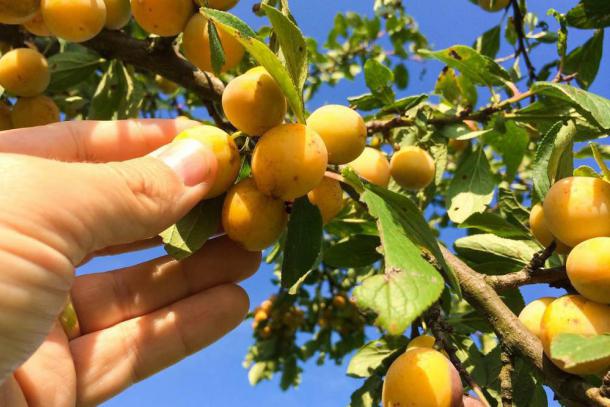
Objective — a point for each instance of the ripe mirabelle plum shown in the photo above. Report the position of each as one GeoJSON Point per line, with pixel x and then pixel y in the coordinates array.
{"type": "Point", "coordinates": [422, 341]}
{"type": "Point", "coordinates": [339, 301]}
{"type": "Point", "coordinates": [373, 166]}
{"type": "Point", "coordinates": [252, 218]}
{"type": "Point", "coordinates": [541, 232]}
{"type": "Point", "coordinates": [574, 314]}
{"type": "Point", "coordinates": [37, 26]}
{"type": "Point", "coordinates": [458, 145]}
{"type": "Point", "coordinates": [422, 377]}
{"type": "Point", "coordinates": [17, 11]}
{"type": "Point", "coordinates": [168, 87]}
{"type": "Point", "coordinates": [493, 5]}
{"type": "Point", "coordinates": [531, 315]}
{"type": "Point", "coordinates": [222, 4]}
{"type": "Point", "coordinates": [588, 268]}
{"type": "Point", "coordinates": [412, 168]}
{"type": "Point", "coordinates": [75, 20]}
{"type": "Point", "coordinates": [35, 111]}
{"type": "Point", "coordinates": [328, 197]}
{"type": "Point", "coordinates": [577, 209]}
{"type": "Point", "coordinates": [472, 402]}
{"type": "Point", "coordinates": [118, 13]}
{"type": "Point", "coordinates": [5, 117]}
{"type": "Point", "coordinates": [224, 149]}
{"type": "Point", "coordinates": [196, 45]}
{"type": "Point", "coordinates": [343, 131]}
{"type": "Point", "coordinates": [289, 161]}
{"type": "Point", "coordinates": [165, 18]}
{"type": "Point", "coordinates": [254, 103]}
{"type": "Point", "coordinates": [24, 72]}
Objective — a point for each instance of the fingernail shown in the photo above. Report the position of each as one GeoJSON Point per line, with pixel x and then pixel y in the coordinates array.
{"type": "Point", "coordinates": [189, 159]}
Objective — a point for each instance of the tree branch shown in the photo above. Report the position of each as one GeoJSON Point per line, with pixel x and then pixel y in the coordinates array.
{"type": "Point", "coordinates": [153, 56]}
{"type": "Point", "coordinates": [521, 46]}
{"type": "Point", "coordinates": [517, 339]}
{"type": "Point", "coordinates": [506, 379]}
{"type": "Point", "coordinates": [525, 277]}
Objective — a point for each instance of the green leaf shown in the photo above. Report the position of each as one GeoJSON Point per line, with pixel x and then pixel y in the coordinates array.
{"type": "Point", "coordinates": [586, 171]}
{"type": "Point", "coordinates": [292, 43]}
{"type": "Point", "coordinates": [480, 69]}
{"type": "Point", "coordinates": [379, 79]}
{"type": "Point", "coordinates": [303, 241]}
{"type": "Point", "coordinates": [457, 90]}
{"type": "Point", "coordinates": [590, 105]}
{"type": "Point", "coordinates": [404, 104]}
{"type": "Point", "coordinates": [511, 144]}
{"type": "Point", "coordinates": [355, 251]}
{"type": "Point", "coordinates": [216, 50]}
{"type": "Point", "coordinates": [585, 60]}
{"type": "Point", "coordinates": [590, 14]}
{"type": "Point", "coordinates": [408, 216]}
{"type": "Point", "coordinates": [263, 55]}
{"type": "Point", "coordinates": [531, 391]}
{"type": "Point", "coordinates": [369, 394]}
{"type": "Point", "coordinates": [488, 44]}
{"type": "Point", "coordinates": [191, 232]}
{"type": "Point", "coordinates": [574, 350]}
{"type": "Point", "coordinates": [410, 284]}
{"type": "Point", "coordinates": [493, 223]}
{"type": "Point", "coordinates": [71, 68]}
{"type": "Point", "coordinates": [372, 356]}
{"type": "Point", "coordinates": [551, 148]}
{"type": "Point", "coordinates": [512, 209]}
{"type": "Point", "coordinates": [489, 248]}
{"type": "Point", "coordinates": [472, 188]}
{"type": "Point", "coordinates": [108, 95]}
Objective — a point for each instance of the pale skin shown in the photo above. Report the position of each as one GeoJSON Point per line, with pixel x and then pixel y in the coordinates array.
{"type": "Point", "coordinates": [71, 191]}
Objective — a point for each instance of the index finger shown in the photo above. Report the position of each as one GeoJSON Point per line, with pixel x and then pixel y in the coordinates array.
{"type": "Point", "coordinates": [94, 141]}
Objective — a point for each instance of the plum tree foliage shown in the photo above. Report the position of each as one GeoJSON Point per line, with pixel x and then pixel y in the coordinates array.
{"type": "Point", "coordinates": [350, 200]}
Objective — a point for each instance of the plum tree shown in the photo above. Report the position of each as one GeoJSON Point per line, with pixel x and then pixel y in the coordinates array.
{"type": "Point", "coordinates": [577, 209]}
{"type": "Point", "coordinates": [574, 314]}
{"type": "Point", "coordinates": [289, 161]}
{"type": "Point", "coordinates": [37, 26]}
{"type": "Point", "coordinates": [493, 5]}
{"type": "Point", "coordinates": [252, 218]}
{"type": "Point", "coordinates": [224, 149]}
{"type": "Point", "coordinates": [531, 315]}
{"type": "Point", "coordinates": [196, 45]}
{"type": "Point", "coordinates": [165, 18]}
{"type": "Point", "coordinates": [422, 341]}
{"type": "Point", "coordinates": [17, 12]}
{"type": "Point", "coordinates": [343, 131]}
{"type": "Point", "coordinates": [222, 4]}
{"type": "Point", "coordinates": [76, 20]}
{"type": "Point", "coordinates": [118, 14]}
{"type": "Point", "coordinates": [24, 72]}
{"type": "Point", "coordinates": [328, 197]}
{"type": "Point", "coordinates": [34, 111]}
{"type": "Point", "coordinates": [5, 117]}
{"type": "Point", "coordinates": [422, 377]}
{"type": "Point", "coordinates": [373, 166]}
{"type": "Point", "coordinates": [541, 232]}
{"type": "Point", "coordinates": [254, 103]}
{"type": "Point", "coordinates": [412, 168]}
{"type": "Point", "coordinates": [588, 268]}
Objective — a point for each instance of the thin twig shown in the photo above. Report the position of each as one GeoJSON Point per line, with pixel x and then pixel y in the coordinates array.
{"type": "Point", "coordinates": [521, 41]}
{"type": "Point", "coordinates": [506, 379]}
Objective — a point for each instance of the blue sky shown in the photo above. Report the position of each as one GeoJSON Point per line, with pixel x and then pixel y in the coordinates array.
{"type": "Point", "coordinates": [214, 376]}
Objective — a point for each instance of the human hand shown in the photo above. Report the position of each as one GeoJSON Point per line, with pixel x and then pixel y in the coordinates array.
{"type": "Point", "coordinates": [76, 189]}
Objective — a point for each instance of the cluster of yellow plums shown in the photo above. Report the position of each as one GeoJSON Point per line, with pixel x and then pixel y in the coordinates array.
{"type": "Point", "coordinates": [290, 160]}
{"type": "Point", "coordinates": [340, 314]}
{"type": "Point", "coordinates": [576, 216]}
{"type": "Point", "coordinates": [81, 20]}
{"type": "Point", "coordinates": [271, 316]}
{"type": "Point", "coordinates": [424, 377]}
{"type": "Point", "coordinates": [24, 72]}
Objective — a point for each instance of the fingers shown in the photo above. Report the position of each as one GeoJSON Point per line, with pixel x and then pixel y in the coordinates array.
{"type": "Point", "coordinates": [93, 141]}
{"type": "Point", "coordinates": [48, 378]}
{"type": "Point", "coordinates": [111, 360]}
{"type": "Point", "coordinates": [105, 299]}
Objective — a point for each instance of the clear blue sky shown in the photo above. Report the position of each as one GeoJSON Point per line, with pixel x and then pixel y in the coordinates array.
{"type": "Point", "coordinates": [214, 376]}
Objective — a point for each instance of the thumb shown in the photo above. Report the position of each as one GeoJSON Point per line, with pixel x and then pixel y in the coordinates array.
{"type": "Point", "coordinates": [137, 199]}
